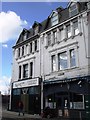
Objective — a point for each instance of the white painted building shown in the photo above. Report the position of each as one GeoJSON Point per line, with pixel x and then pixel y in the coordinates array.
{"type": "Point", "coordinates": [51, 63]}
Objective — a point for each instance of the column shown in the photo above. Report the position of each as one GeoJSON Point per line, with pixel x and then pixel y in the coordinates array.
{"type": "Point", "coordinates": [28, 69]}
{"type": "Point", "coordinates": [37, 44]}
{"type": "Point", "coordinates": [58, 35]}
{"type": "Point", "coordinates": [65, 33]}
{"type": "Point", "coordinates": [33, 46]}
{"type": "Point", "coordinates": [16, 53]}
{"type": "Point", "coordinates": [79, 25]}
{"type": "Point", "coordinates": [20, 51]}
{"type": "Point", "coordinates": [28, 49]}
{"type": "Point", "coordinates": [25, 50]}
{"type": "Point", "coordinates": [56, 62]}
{"type": "Point", "coordinates": [46, 40]}
{"type": "Point", "coordinates": [76, 56]}
{"type": "Point", "coordinates": [68, 58]}
{"type": "Point", "coordinates": [52, 38]}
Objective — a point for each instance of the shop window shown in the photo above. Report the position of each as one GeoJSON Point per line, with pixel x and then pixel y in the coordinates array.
{"type": "Point", "coordinates": [62, 61]}
{"type": "Point", "coordinates": [34, 90]}
{"type": "Point", "coordinates": [73, 10]}
{"type": "Point", "coordinates": [76, 30]}
{"type": "Point", "coordinates": [53, 63]}
{"type": "Point", "coordinates": [72, 58]}
{"type": "Point", "coordinates": [54, 19]}
{"type": "Point", "coordinates": [16, 91]}
{"type": "Point", "coordinates": [68, 28]}
{"type": "Point", "coordinates": [19, 72]}
{"type": "Point", "coordinates": [25, 71]}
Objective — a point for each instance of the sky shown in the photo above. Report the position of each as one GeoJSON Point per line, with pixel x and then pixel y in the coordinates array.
{"type": "Point", "coordinates": [15, 16]}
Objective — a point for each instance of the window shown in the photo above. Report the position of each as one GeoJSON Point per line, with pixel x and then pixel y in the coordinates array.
{"type": "Point", "coordinates": [76, 30]}
{"type": "Point", "coordinates": [25, 71]}
{"type": "Point", "coordinates": [31, 47]}
{"type": "Point", "coordinates": [18, 52]}
{"type": "Point", "coordinates": [16, 92]}
{"type": "Point", "coordinates": [73, 10]}
{"type": "Point", "coordinates": [22, 50]}
{"type": "Point", "coordinates": [72, 58]}
{"type": "Point", "coordinates": [36, 29]}
{"type": "Point", "coordinates": [25, 36]}
{"type": "Point", "coordinates": [35, 45]}
{"type": "Point", "coordinates": [54, 19]}
{"type": "Point", "coordinates": [62, 61]}
{"type": "Point", "coordinates": [61, 34]}
{"type": "Point", "coordinates": [19, 72]}
{"type": "Point", "coordinates": [49, 39]}
{"type": "Point", "coordinates": [55, 36]}
{"type": "Point", "coordinates": [31, 69]}
{"type": "Point", "coordinates": [68, 31]}
{"type": "Point", "coordinates": [53, 63]}
{"type": "Point", "coordinates": [33, 90]}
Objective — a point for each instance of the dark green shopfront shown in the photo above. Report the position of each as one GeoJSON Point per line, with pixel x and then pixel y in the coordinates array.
{"type": "Point", "coordinates": [68, 98]}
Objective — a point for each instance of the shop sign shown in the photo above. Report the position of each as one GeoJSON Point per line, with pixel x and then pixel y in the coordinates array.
{"type": "Point", "coordinates": [26, 83]}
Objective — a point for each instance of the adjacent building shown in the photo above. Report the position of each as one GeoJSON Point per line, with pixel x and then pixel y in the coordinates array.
{"type": "Point", "coordinates": [51, 63]}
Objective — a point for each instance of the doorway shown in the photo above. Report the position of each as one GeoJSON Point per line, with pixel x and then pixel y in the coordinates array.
{"type": "Point", "coordinates": [25, 100]}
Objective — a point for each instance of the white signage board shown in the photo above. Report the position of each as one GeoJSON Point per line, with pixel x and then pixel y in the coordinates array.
{"type": "Point", "coordinates": [26, 83]}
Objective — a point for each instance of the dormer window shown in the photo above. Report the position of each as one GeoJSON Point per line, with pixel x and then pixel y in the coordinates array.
{"type": "Point", "coordinates": [25, 36]}
{"type": "Point", "coordinates": [73, 10]}
{"type": "Point", "coordinates": [36, 29]}
{"type": "Point", "coordinates": [54, 19]}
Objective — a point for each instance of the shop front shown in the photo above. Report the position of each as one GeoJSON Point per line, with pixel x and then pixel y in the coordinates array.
{"type": "Point", "coordinates": [28, 91]}
{"type": "Point", "coordinates": [67, 97]}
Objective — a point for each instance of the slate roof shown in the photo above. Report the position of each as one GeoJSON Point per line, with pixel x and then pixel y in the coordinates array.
{"type": "Point", "coordinates": [46, 24]}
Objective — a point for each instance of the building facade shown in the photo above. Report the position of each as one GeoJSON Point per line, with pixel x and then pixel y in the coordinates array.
{"type": "Point", "coordinates": [51, 63]}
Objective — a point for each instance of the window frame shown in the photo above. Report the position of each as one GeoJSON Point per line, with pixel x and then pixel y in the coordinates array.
{"type": "Point", "coordinates": [75, 10]}
{"type": "Point", "coordinates": [59, 61]}
{"type": "Point", "coordinates": [20, 72]}
{"type": "Point", "coordinates": [71, 64]}
{"type": "Point", "coordinates": [76, 28]}
{"type": "Point", "coordinates": [53, 63]}
{"type": "Point", "coordinates": [25, 71]}
{"type": "Point", "coordinates": [49, 39]}
{"type": "Point", "coordinates": [54, 19]}
{"type": "Point", "coordinates": [68, 29]}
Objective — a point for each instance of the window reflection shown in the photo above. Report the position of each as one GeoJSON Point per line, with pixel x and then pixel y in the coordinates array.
{"type": "Point", "coordinates": [53, 63]}
{"type": "Point", "coordinates": [72, 58]}
{"type": "Point", "coordinates": [62, 60]}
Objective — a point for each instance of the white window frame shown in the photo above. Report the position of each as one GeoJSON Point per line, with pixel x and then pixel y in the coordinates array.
{"type": "Point", "coordinates": [76, 28]}
{"type": "Point", "coordinates": [54, 19]}
{"type": "Point", "coordinates": [68, 27]}
{"type": "Point", "coordinates": [25, 71]}
{"type": "Point", "coordinates": [59, 63]}
{"type": "Point", "coordinates": [75, 10]}
{"type": "Point", "coordinates": [53, 63]}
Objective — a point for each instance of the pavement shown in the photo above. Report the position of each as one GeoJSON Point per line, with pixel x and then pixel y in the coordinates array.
{"type": "Point", "coordinates": [10, 115]}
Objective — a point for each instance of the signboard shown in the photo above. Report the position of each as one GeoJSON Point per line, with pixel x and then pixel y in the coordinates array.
{"type": "Point", "coordinates": [26, 83]}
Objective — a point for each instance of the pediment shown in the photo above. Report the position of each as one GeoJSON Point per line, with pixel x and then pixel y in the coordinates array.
{"type": "Point", "coordinates": [35, 24]}
{"type": "Point", "coordinates": [52, 13]}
